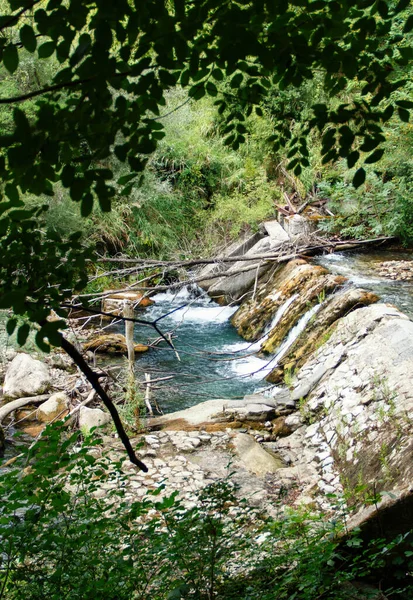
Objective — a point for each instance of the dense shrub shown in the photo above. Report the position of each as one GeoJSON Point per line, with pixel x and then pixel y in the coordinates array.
{"type": "Point", "coordinates": [60, 539]}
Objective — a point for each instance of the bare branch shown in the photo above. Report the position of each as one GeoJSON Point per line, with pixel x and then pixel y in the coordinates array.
{"type": "Point", "coordinates": [93, 379]}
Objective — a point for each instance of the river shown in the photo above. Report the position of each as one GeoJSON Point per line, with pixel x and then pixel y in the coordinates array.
{"type": "Point", "coordinates": [215, 362]}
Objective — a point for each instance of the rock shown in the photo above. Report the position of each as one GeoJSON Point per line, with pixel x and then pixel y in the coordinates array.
{"type": "Point", "coordinates": [276, 232]}
{"type": "Point", "coordinates": [369, 441]}
{"type": "Point", "coordinates": [278, 307]}
{"type": "Point", "coordinates": [26, 376]}
{"type": "Point", "coordinates": [61, 361]}
{"type": "Point", "coordinates": [54, 408]}
{"type": "Point", "coordinates": [111, 343]}
{"type": "Point", "coordinates": [398, 270]}
{"type": "Point", "coordinates": [254, 457]}
{"type": "Point", "coordinates": [236, 284]}
{"type": "Point", "coordinates": [299, 226]}
{"type": "Point", "coordinates": [204, 413]}
{"type": "Point", "coordinates": [318, 332]}
{"type": "Point", "coordinates": [92, 417]}
{"type": "Point", "coordinates": [238, 248]}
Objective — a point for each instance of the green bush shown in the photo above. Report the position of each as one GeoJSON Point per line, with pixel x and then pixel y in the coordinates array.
{"type": "Point", "coordinates": [61, 539]}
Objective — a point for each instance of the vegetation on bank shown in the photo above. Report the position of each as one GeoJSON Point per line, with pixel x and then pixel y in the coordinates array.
{"type": "Point", "coordinates": [190, 120]}
{"type": "Point", "coordinates": [62, 538]}
{"type": "Point", "coordinates": [305, 98]}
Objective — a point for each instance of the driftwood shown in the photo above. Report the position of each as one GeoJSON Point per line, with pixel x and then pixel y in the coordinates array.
{"type": "Point", "coordinates": [130, 345]}
{"type": "Point", "coordinates": [19, 403]}
{"type": "Point", "coordinates": [148, 393]}
{"type": "Point", "coordinates": [303, 249]}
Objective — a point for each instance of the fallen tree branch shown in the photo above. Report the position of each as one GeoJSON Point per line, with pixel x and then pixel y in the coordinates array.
{"type": "Point", "coordinates": [19, 403]}
{"type": "Point", "coordinates": [335, 245]}
{"type": "Point", "coordinates": [93, 379]}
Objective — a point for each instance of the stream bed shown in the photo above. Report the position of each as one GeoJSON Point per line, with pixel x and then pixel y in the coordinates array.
{"type": "Point", "coordinates": [215, 362]}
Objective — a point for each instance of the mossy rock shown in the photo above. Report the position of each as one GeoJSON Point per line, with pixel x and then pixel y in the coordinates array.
{"type": "Point", "coordinates": [319, 331]}
{"type": "Point", "coordinates": [312, 288]}
{"type": "Point", "coordinates": [112, 343]}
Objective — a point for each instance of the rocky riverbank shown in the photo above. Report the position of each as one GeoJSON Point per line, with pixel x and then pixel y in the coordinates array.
{"type": "Point", "coordinates": [334, 426]}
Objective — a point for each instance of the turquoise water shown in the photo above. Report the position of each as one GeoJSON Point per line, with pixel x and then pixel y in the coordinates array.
{"type": "Point", "coordinates": [361, 268]}
{"type": "Point", "coordinates": [215, 362]}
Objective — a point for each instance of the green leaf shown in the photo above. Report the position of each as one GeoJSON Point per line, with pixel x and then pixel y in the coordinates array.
{"type": "Point", "coordinates": [126, 178]}
{"type": "Point", "coordinates": [23, 334]}
{"type": "Point", "coordinates": [383, 9]}
{"type": "Point", "coordinates": [408, 25]}
{"type": "Point", "coordinates": [236, 80]}
{"type": "Point", "coordinates": [374, 157]}
{"type": "Point", "coordinates": [211, 89]}
{"type": "Point", "coordinates": [197, 91]}
{"type": "Point", "coordinates": [12, 193]}
{"type": "Point", "coordinates": [28, 38]}
{"type": "Point", "coordinates": [11, 58]}
{"type": "Point", "coordinates": [185, 78]}
{"type": "Point", "coordinates": [218, 74]}
{"type": "Point", "coordinates": [87, 205]}
{"type": "Point", "coordinates": [401, 6]}
{"type": "Point", "coordinates": [404, 114]}
{"type": "Point", "coordinates": [11, 326]}
{"type": "Point", "coordinates": [352, 158]}
{"type": "Point", "coordinates": [359, 177]}
{"type": "Point", "coordinates": [46, 49]}
{"type": "Point", "coordinates": [405, 103]}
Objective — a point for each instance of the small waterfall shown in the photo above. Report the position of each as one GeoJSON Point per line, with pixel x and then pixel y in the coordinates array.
{"type": "Point", "coordinates": [294, 333]}
{"type": "Point", "coordinates": [186, 292]}
{"type": "Point", "coordinates": [276, 319]}
{"type": "Point", "coordinates": [253, 366]}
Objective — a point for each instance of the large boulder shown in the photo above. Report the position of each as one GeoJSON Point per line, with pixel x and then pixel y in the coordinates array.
{"type": "Point", "coordinates": [238, 279]}
{"type": "Point", "coordinates": [254, 457]}
{"type": "Point", "coordinates": [92, 417]}
{"type": "Point", "coordinates": [320, 329]}
{"type": "Point", "coordinates": [237, 248]}
{"type": "Point", "coordinates": [26, 376]}
{"type": "Point", "coordinates": [252, 408]}
{"type": "Point", "coordinates": [54, 408]}
{"type": "Point", "coordinates": [357, 393]}
{"type": "Point", "coordinates": [298, 226]}
{"type": "Point", "coordinates": [292, 290]}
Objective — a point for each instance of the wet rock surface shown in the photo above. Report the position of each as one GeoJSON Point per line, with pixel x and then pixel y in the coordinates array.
{"type": "Point", "coordinates": [111, 343]}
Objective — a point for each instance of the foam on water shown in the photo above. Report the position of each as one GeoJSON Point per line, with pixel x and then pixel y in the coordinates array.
{"type": "Point", "coordinates": [178, 296]}
{"type": "Point", "coordinates": [203, 314]}
{"type": "Point", "coordinates": [251, 367]}
{"type": "Point", "coordinates": [295, 332]}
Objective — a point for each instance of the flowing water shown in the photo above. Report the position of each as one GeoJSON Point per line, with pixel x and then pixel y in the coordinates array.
{"type": "Point", "coordinates": [362, 271]}
{"type": "Point", "coordinates": [215, 362]}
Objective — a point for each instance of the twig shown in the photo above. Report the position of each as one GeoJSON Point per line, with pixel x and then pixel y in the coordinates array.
{"type": "Point", "coordinates": [148, 393]}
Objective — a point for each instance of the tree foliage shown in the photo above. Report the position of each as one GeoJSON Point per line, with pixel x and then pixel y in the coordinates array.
{"type": "Point", "coordinates": [112, 65]}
